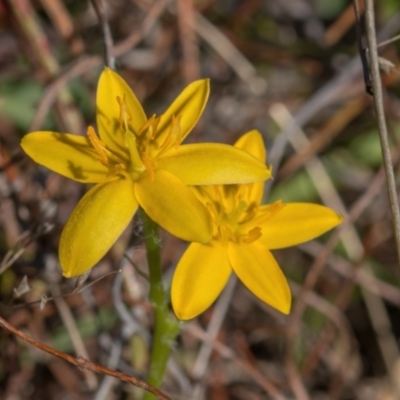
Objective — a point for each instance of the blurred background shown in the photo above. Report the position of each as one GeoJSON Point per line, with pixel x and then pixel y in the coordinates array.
{"type": "Point", "coordinates": [290, 69]}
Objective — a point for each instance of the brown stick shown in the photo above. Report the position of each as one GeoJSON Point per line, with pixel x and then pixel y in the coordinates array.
{"type": "Point", "coordinates": [89, 63]}
{"type": "Point", "coordinates": [381, 120]}
{"type": "Point", "coordinates": [100, 10]}
{"type": "Point", "coordinates": [82, 363]}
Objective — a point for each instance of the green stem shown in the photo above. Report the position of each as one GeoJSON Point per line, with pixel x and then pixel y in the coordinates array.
{"type": "Point", "coordinates": [166, 325]}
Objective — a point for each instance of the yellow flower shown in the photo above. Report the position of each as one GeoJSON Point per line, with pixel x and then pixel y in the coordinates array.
{"type": "Point", "coordinates": [137, 161]}
{"type": "Point", "coordinates": [244, 233]}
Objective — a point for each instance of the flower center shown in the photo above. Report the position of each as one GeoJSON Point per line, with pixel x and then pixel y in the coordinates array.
{"type": "Point", "coordinates": [235, 219]}
{"type": "Point", "coordinates": [146, 145]}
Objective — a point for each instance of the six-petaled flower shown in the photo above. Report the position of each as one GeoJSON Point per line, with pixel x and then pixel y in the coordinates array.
{"type": "Point", "coordinates": [244, 232]}
{"type": "Point", "coordinates": [137, 161]}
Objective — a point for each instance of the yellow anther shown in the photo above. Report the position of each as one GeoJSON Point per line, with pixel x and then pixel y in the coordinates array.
{"type": "Point", "coordinates": [98, 145]}
{"type": "Point", "coordinates": [252, 235]}
{"type": "Point", "coordinates": [118, 169]}
{"type": "Point", "coordinates": [272, 210]}
{"type": "Point", "coordinates": [125, 115]}
{"type": "Point", "coordinates": [149, 164]}
{"type": "Point", "coordinates": [150, 127]}
{"type": "Point", "coordinates": [174, 136]}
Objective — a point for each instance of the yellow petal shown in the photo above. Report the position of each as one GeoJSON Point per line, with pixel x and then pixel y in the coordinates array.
{"type": "Point", "coordinates": [70, 155]}
{"type": "Point", "coordinates": [297, 223]}
{"type": "Point", "coordinates": [108, 110]}
{"type": "Point", "coordinates": [213, 164]}
{"type": "Point", "coordinates": [257, 269]}
{"type": "Point", "coordinates": [95, 224]}
{"type": "Point", "coordinates": [200, 276]}
{"type": "Point", "coordinates": [189, 105]}
{"type": "Point", "coordinates": [253, 143]}
{"type": "Point", "coordinates": [170, 203]}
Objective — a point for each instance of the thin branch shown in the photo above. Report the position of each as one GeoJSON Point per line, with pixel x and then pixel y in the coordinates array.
{"type": "Point", "coordinates": [391, 40]}
{"type": "Point", "coordinates": [82, 363]}
{"type": "Point", "coordinates": [77, 290]}
{"type": "Point", "coordinates": [325, 96]}
{"type": "Point", "coordinates": [380, 113]}
{"type": "Point", "coordinates": [69, 322]}
{"type": "Point", "coordinates": [189, 40]}
{"type": "Point", "coordinates": [226, 50]}
{"type": "Point", "coordinates": [362, 50]}
{"type": "Point", "coordinates": [357, 208]}
{"type": "Point", "coordinates": [226, 352]}
{"type": "Point", "coordinates": [99, 7]}
{"type": "Point", "coordinates": [85, 64]}
{"type": "Point", "coordinates": [24, 241]}
{"type": "Point", "coordinates": [202, 363]}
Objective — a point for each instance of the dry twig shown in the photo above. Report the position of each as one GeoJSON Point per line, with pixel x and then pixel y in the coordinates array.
{"type": "Point", "coordinates": [380, 113]}
{"type": "Point", "coordinates": [83, 363]}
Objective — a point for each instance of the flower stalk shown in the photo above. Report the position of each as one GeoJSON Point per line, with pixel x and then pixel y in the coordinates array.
{"type": "Point", "coordinates": [167, 326]}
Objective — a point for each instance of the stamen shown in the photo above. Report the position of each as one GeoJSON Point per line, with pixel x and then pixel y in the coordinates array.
{"type": "Point", "coordinates": [224, 235]}
{"type": "Point", "coordinates": [98, 145]}
{"type": "Point", "coordinates": [149, 164]}
{"type": "Point", "coordinates": [125, 115]}
{"type": "Point", "coordinates": [118, 169]}
{"type": "Point", "coordinates": [174, 135]}
{"type": "Point", "coordinates": [150, 126]}
{"type": "Point", "coordinates": [136, 166]}
{"type": "Point", "coordinates": [252, 235]}
{"type": "Point", "coordinates": [269, 212]}
{"type": "Point", "coordinates": [154, 126]}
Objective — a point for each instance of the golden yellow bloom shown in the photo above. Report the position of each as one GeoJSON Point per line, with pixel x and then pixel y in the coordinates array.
{"type": "Point", "coordinates": [244, 232]}
{"type": "Point", "coordinates": [137, 161]}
